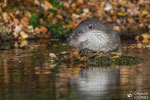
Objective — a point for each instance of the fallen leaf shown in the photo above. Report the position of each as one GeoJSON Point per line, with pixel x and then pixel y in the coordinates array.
{"type": "Point", "coordinates": [145, 12]}
{"type": "Point", "coordinates": [23, 43]}
{"type": "Point", "coordinates": [42, 21]}
{"type": "Point", "coordinates": [16, 21]}
{"type": "Point", "coordinates": [18, 28]}
{"type": "Point", "coordinates": [52, 66]}
{"type": "Point", "coordinates": [131, 20]}
{"type": "Point", "coordinates": [15, 34]}
{"type": "Point", "coordinates": [84, 58]}
{"type": "Point", "coordinates": [48, 4]}
{"type": "Point", "coordinates": [73, 5]}
{"type": "Point", "coordinates": [79, 2]}
{"type": "Point", "coordinates": [30, 29]}
{"type": "Point", "coordinates": [50, 15]}
{"type": "Point", "coordinates": [76, 55]}
{"type": "Point", "coordinates": [59, 17]}
{"type": "Point", "coordinates": [23, 35]}
{"type": "Point", "coordinates": [72, 26]}
{"type": "Point", "coordinates": [108, 7]}
{"type": "Point", "coordinates": [52, 55]}
{"type": "Point", "coordinates": [28, 14]}
{"type": "Point", "coordinates": [43, 29]}
{"type": "Point", "coordinates": [12, 15]}
{"type": "Point", "coordinates": [6, 17]}
{"type": "Point", "coordinates": [121, 14]}
{"type": "Point", "coordinates": [117, 28]}
{"type": "Point", "coordinates": [25, 21]}
{"type": "Point", "coordinates": [149, 26]}
{"type": "Point", "coordinates": [146, 36]}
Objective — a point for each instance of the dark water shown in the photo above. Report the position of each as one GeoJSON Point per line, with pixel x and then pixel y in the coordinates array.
{"type": "Point", "coordinates": [26, 74]}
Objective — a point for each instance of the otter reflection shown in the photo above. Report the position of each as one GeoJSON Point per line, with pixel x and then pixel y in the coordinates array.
{"type": "Point", "coordinates": [95, 83]}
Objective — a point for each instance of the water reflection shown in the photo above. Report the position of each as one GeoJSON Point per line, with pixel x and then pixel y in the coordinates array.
{"type": "Point", "coordinates": [25, 74]}
{"type": "Point", "coordinates": [96, 83]}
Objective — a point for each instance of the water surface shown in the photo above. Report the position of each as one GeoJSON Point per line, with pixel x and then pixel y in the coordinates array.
{"type": "Point", "coordinates": [25, 74]}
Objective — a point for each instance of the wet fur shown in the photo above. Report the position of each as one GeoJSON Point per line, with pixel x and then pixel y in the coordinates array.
{"type": "Point", "coordinates": [93, 35]}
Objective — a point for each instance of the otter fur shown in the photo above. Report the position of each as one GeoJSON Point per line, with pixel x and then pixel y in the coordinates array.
{"type": "Point", "coordinates": [93, 35]}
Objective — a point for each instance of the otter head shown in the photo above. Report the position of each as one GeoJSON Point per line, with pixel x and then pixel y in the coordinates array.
{"type": "Point", "coordinates": [83, 31]}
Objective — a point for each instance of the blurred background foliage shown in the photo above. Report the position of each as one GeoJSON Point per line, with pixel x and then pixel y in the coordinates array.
{"type": "Point", "coordinates": [23, 19]}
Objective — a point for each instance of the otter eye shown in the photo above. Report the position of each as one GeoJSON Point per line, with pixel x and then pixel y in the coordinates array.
{"type": "Point", "coordinates": [91, 26]}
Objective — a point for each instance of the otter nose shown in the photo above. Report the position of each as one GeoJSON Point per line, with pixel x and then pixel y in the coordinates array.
{"type": "Point", "coordinates": [68, 39]}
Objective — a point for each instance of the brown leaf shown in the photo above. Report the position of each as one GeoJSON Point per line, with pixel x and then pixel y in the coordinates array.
{"type": "Point", "coordinates": [79, 2]}
{"type": "Point", "coordinates": [54, 21]}
{"type": "Point", "coordinates": [84, 58]}
{"type": "Point", "coordinates": [25, 21]}
{"type": "Point", "coordinates": [59, 17]}
{"type": "Point", "coordinates": [117, 28]}
{"type": "Point", "coordinates": [48, 4]}
{"type": "Point", "coordinates": [18, 28]}
{"type": "Point", "coordinates": [43, 29]}
{"type": "Point", "coordinates": [42, 21]}
{"type": "Point", "coordinates": [149, 26]}
{"type": "Point", "coordinates": [73, 5]}
{"type": "Point", "coordinates": [131, 20]}
{"type": "Point", "coordinates": [72, 26]}
{"type": "Point", "coordinates": [76, 55]}
{"type": "Point", "coordinates": [16, 21]}
{"type": "Point", "coordinates": [12, 16]}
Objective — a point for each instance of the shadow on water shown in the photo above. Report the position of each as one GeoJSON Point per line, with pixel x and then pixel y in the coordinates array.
{"type": "Point", "coordinates": [25, 74]}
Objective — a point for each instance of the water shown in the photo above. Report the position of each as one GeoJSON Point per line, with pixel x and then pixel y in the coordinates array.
{"type": "Point", "coordinates": [25, 74]}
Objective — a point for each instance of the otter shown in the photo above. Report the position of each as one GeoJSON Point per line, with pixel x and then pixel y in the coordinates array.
{"type": "Point", "coordinates": [93, 35]}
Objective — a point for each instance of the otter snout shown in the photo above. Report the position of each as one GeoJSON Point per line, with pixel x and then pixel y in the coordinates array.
{"type": "Point", "coordinates": [68, 39]}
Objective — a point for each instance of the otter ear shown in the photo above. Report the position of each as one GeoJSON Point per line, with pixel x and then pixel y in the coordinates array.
{"type": "Point", "coordinates": [91, 26]}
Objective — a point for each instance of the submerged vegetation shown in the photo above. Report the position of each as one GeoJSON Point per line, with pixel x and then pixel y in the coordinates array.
{"type": "Point", "coordinates": [94, 60]}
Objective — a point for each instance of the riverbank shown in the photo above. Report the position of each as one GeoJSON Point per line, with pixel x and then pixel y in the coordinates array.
{"type": "Point", "coordinates": [32, 19]}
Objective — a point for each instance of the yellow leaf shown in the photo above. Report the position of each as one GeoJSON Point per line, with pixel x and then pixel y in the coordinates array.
{"type": "Point", "coordinates": [23, 35]}
{"type": "Point", "coordinates": [76, 55]}
{"type": "Point", "coordinates": [23, 43]}
{"type": "Point", "coordinates": [54, 39]}
{"type": "Point", "coordinates": [121, 14]}
{"type": "Point", "coordinates": [50, 15]}
{"type": "Point", "coordinates": [100, 8]}
{"type": "Point", "coordinates": [144, 12]}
